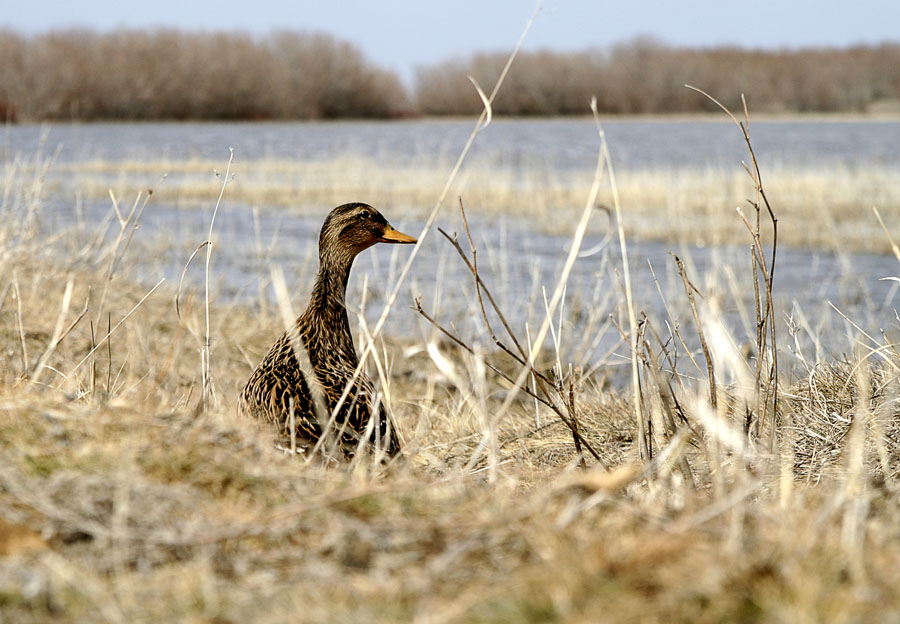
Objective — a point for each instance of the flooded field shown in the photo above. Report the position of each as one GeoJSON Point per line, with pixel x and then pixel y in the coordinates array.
{"type": "Point", "coordinates": [520, 256]}
{"type": "Point", "coordinates": [521, 266]}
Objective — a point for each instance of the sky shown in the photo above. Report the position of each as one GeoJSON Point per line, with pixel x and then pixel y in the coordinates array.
{"type": "Point", "coordinates": [403, 34]}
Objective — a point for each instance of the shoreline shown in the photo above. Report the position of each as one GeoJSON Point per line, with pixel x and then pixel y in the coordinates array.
{"type": "Point", "coordinates": [702, 117]}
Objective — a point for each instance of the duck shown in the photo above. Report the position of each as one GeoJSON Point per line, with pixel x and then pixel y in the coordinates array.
{"type": "Point", "coordinates": [279, 384]}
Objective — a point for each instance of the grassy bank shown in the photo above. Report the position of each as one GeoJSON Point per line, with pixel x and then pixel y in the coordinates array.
{"type": "Point", "coordinates": [121, 501]}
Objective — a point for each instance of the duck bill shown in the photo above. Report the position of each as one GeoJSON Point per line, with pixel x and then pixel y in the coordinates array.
{"type": "Point", "coordinates": [393, 236]}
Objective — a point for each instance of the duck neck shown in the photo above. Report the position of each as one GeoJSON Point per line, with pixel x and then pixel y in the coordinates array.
{"type": "Point", "coordinates": [326, 305]}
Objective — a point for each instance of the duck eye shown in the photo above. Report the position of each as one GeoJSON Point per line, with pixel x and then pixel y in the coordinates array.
{"type": "Point", "coordinates": [365, 214]}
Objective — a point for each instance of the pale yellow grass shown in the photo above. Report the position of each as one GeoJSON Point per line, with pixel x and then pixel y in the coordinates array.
{"type": "Point", "coordinates": [825, 208]}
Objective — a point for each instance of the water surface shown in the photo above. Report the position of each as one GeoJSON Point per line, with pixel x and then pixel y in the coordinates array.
{"type": "Point", "coordinates": [519, 261]}
{"type": "Point", "coordinates": [560, 143]}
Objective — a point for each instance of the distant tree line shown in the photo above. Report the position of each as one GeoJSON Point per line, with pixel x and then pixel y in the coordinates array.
{"type": "Point", "coordinates": [645, 76]}
{"type": "Point", "coordinates": [172, 74]}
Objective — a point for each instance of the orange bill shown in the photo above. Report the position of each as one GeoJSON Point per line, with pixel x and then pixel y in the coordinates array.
{"type": "Point", "coordinates": [393, 236]}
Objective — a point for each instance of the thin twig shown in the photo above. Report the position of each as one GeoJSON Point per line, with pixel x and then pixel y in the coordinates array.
{"type": "Point", "coordinates": [766, 325]}
{"type": "Point", "coordinates": [522, 357]}
{"type": "Point", "coordinates": [459, 342]}
{"type": "Point", "coordinates": [544, 400]}
{"type": "Point", "coordinates": [183, 273]}
{"type": "Point", "coordinates": [113, 330]}
{"type": "Point", "coordinates": [689, 288]}
{"type": "Point", "coordinates": [675, 329]}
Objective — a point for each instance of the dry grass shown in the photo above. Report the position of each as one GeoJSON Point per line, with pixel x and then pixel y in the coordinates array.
{"type": "Point", "coordinates": [126, 504]}
{"type": "Point", "coordinates": [121, 499]}
{"type": "Point", "coordinates": [694, 206]}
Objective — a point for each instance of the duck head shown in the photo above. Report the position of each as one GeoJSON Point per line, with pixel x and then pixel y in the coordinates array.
{"type": "Point", "coordinates": [351, 228]}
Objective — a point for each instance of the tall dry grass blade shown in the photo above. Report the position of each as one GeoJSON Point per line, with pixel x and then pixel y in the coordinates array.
{"type": "Point", "coordinates": [19, 325]}
{"type": "Point", "coordinates": [489, 113]}
{"type": "Point", "coordinates": [109, 352]}
{"type": "Point", "coordinates": [56, 336]}
{"type": "Point", "coordinates": [292, 423]}
{"type": "Point", "coordinates": [855, 490]}
{"type": "Point", "coordinates": [207, 385]}
{"type": "Point", "coordinates": [288, 319]}
{"type": "Point", "coordinates": [429, 222]}
{"type": "Point", "coordinates": [894, 248]}
{"type": "Point", "coordinates": [577, 239]}
{"type": "Point", "coordinates": [637, 401]}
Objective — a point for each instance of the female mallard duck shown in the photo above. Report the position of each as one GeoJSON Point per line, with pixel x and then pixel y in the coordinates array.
{"type": "Point", "coordinates": [278, 383]}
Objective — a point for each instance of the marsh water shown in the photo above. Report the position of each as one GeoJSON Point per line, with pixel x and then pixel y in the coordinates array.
{"type": "Point", "coordinates": [813, 289]}
{"type": "Point", "coordinates": [554, 143]}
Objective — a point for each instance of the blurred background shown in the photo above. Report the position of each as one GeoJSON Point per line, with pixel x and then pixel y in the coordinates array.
{"type": "Point", "coordinates": [261, 60]}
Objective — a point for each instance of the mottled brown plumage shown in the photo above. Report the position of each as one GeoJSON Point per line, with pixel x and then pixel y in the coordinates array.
{"type": "Point", "coordinates": [324, 331]}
